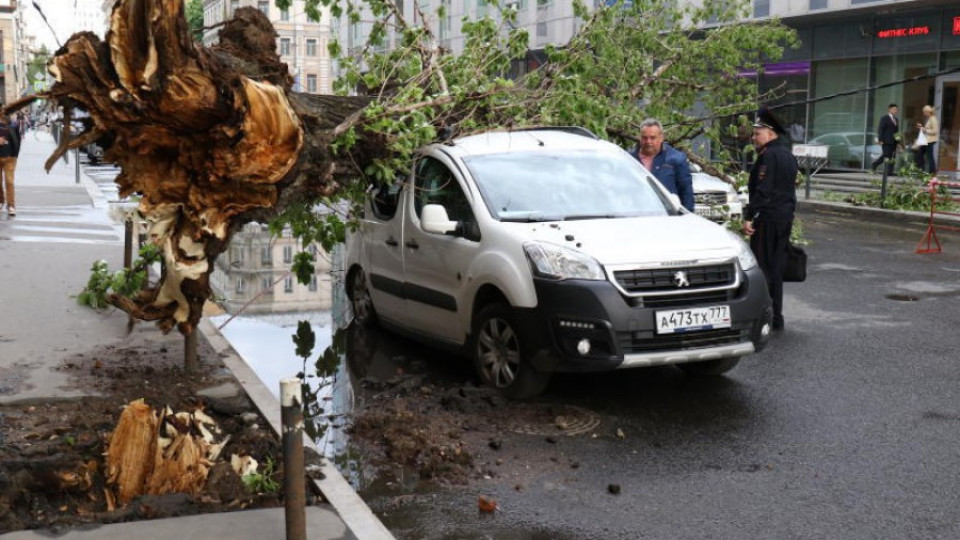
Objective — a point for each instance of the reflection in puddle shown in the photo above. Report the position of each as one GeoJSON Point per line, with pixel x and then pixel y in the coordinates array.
{"type": "Point", "coordinates": [265, 342]}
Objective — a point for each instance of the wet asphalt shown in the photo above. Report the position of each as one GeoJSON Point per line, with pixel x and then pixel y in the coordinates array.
{"type": "Point", "coordinates": [846, 427]}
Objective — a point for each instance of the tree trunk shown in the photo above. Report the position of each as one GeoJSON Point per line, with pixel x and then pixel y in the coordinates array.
{"type": "Point", "coordinates": [210, 139]}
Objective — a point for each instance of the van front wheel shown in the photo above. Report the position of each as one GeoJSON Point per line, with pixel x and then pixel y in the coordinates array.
{"type": "Point", "coordinates": [500, 357]}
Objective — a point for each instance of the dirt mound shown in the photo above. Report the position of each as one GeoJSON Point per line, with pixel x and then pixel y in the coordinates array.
{"type": "Point", "coordinates": [52, 467]}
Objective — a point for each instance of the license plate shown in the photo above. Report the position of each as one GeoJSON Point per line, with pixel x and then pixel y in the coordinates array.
{"type": "Point", "coordinates": [692, 319]}
{"type": "Point", "coordinates": [708, 211]}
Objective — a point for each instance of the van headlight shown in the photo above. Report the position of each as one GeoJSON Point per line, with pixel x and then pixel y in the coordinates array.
{"type": "Point", "coordinates": [744, 255]}
{"type": "Point", "coordinates": [557, 262]}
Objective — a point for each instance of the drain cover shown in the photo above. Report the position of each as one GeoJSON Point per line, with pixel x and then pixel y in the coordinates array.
{"type": "Point", "coordinates": [554, 420]}
{"type": "Point", "coordinates": [903, 297]}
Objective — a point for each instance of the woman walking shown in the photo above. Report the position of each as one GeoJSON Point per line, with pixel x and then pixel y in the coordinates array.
{"type": "Point", "coordinates": [925, 153]}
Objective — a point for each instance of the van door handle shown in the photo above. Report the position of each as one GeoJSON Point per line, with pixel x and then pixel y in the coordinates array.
{"type": "Point", "coordinates": [412, 244]}
{"type": "Point", "coordinates": [391, 242]}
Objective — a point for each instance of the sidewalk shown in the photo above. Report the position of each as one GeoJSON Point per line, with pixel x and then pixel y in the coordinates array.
{"type": "Point", "coordinates": [46, 251]}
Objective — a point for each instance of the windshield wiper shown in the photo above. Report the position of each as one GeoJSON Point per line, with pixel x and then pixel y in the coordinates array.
{"type": "Point", "coordinates": [527, 217]}
{"type": "Point", "coordinates": [577, 217]}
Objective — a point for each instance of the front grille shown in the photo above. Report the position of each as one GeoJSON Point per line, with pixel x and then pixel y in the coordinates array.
{"type": "Point", "coordinates": [682, 300]}
{"type": "Point", "coordinates": [710, 198]}
{"type": "Point", "coordinates": [662, 279]}
{"type": "Point", "coordinates": [649, 341]}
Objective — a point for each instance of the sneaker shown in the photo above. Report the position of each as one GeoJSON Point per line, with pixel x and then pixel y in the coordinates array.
{"type": "Point", "coordinates": [11, 211]}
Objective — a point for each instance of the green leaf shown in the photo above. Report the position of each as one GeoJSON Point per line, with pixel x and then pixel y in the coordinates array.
{"type": "Point", "coordinates": [305, 339]}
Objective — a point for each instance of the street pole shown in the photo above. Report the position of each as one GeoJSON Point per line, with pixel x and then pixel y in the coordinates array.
{"type": "Point", "coordinates": [76, 158]}
{"type": "Point", "coordinates": [806, 191]}
{"type": "Point", "coordinates": [294, 475]}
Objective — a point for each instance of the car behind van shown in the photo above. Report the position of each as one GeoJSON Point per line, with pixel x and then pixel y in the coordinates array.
{"type": "Point", "coordinates": [550, 250]}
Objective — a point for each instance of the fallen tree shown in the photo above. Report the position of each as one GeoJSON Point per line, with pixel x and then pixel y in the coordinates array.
{"type": "Point", "coordinates": [213, 138]}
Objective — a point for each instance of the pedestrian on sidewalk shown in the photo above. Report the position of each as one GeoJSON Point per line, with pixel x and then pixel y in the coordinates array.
{"type": "Point", "coordinates": [9, 150]}
{"type": "Point", "coordinates": [887, 134]}
{"type": "Point", "coordinates": [930, 128]}
{"type": "Point", "coordinates": [773, 200]}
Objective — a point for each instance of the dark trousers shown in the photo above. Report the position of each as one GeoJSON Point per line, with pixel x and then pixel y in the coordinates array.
{"type": "Point", "coordinates": [924, 158]}
{"type": "Point", "coordinates": [769, 246]}
{"type": "Point", "coordinates": [889, 150]}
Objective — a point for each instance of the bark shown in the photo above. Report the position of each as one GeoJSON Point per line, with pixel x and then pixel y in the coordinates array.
{"type": "Point", "coordinates": [209, 139]}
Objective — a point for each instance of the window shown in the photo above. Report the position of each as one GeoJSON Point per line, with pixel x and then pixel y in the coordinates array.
{"type": "Point", "coordinates": [544, 3]}
{"type": "Point", "coordinates": [312, 84]}
{"type": "Point", "coordinates": [234, 4]}
{"type": "Point", "coordinates": [288, 284]}
{"type": "Point", "coordinates": [266, 285]}
{"type": "Point", "coordinates": [266, 255]}
{"type": "Point", "coordinates": [313, 283]}
{"type": "Point", "coordinates": [761, 8]}
{"type": "Point", "coordinates": [311, 47]}
{"type": "Point", "coordinates": [239, 282]}
{"type": "Point", "coordinates": [237, 258]}
{"type": "Point", "coordinates": [264, 6]}
{"type": "Point", "coordinates": [284, 14]}
{"type": "Point", "coordinates": [481, 8]}
{"type": "Point", "coordinates": [818, 4]}
{"type": "Point", "coordinates": [284, 46]}
{"type": "Point", "coordinates": [541, 29]}
{"type": "Point", "coordinates": [436, 185]}
{"type": "Point", "coordinates": [384, 200]}
{"type": "Point", "coordinates": [288, 254]}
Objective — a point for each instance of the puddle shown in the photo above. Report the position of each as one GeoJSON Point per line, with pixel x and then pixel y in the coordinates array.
{"type": "Point", "coordinates": [265, 342]}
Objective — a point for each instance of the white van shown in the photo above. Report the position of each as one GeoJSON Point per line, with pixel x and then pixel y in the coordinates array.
{"type": "Point", "coordinates": [550, 250]}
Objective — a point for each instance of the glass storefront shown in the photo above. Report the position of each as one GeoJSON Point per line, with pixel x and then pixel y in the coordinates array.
{"type": "Point", "coordinates": [840, 122]}
{"type": "Point", "coordinates": [867, 63]}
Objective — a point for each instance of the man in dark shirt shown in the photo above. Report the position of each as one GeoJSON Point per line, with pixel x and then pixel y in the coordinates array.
{"type": "Point", "coordinates": [887, 133]}
{"type": "Point", "coordinates": [773, 199]}
{"type": "Point", "coordinates": [9, 150]}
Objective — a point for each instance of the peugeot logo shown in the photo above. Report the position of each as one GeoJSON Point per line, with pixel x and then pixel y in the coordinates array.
{"type": "Point", "coordinates": [680, 279]}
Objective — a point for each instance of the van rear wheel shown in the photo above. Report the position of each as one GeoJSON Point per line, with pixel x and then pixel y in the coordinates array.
{"type": "Point", "coordinates": [500, 357]}
{"type": "Point", "coordinates": [363, 312]}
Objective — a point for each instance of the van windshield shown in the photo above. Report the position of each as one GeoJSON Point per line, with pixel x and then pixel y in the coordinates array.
{"type": "Point", "coordinates": [545, 186]}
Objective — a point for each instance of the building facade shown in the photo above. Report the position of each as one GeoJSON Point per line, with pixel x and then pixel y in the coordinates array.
{"type": "Point", "coordinates": [302, 43]}
{"type": "Point", "coordinates": [254, 274]}
{"type": "Point", "coordinates": [14, 51]}
{"type": "Point", "coordinates": [855, 58]}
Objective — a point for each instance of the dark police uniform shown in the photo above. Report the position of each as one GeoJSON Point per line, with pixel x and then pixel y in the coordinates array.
{"type": "Point", "coordinates": [773, 200]}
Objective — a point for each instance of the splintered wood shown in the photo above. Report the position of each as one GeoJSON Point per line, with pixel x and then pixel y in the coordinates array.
{"type": "Point", "coordinates": [151, 453]}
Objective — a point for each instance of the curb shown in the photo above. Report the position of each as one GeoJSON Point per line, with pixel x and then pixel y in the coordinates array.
{"type": "Point", "coordinates": [875, 214]}
{"type": "Point", "coordinates": [354, 512]}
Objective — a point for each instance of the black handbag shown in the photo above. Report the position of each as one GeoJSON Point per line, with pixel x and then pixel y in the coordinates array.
{"type": "Point", "coordinates": [795, 270]}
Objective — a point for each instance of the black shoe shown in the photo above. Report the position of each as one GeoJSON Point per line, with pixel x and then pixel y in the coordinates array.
{"type": "Point", "coordinates": [778, 325]}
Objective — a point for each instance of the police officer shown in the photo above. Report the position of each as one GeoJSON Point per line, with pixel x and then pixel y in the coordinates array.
{"type": "Point", "coordinates": [773, 199]}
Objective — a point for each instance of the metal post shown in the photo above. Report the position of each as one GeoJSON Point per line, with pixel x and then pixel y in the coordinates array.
{"type": "Point", "coordinates": [128, 243]}
{"type": "Point", "coordinates": [190, 352]}
{"type": "Point", "coordinates": [294, 475]}
{"type": "Point", "coordinates": [806, 190]}
{"type": "Point", "coordinates": [883, 184]}
{"type": "Point", "coordinates": [76, 157]}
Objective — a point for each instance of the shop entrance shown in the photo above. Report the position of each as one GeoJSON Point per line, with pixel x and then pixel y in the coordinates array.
{"type": "Point", "coordinates": [947, 105]}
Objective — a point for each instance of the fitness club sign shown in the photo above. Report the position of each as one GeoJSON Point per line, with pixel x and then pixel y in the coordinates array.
{"type": "Point", "coordinates": [910, 31]}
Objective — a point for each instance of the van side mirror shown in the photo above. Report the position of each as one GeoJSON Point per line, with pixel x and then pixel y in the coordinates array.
{"type": "Point", "coordinates": [434, 219]}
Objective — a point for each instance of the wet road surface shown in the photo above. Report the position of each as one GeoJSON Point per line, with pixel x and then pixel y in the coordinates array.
{"type": "Point", "coordinates": [847, 426]}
